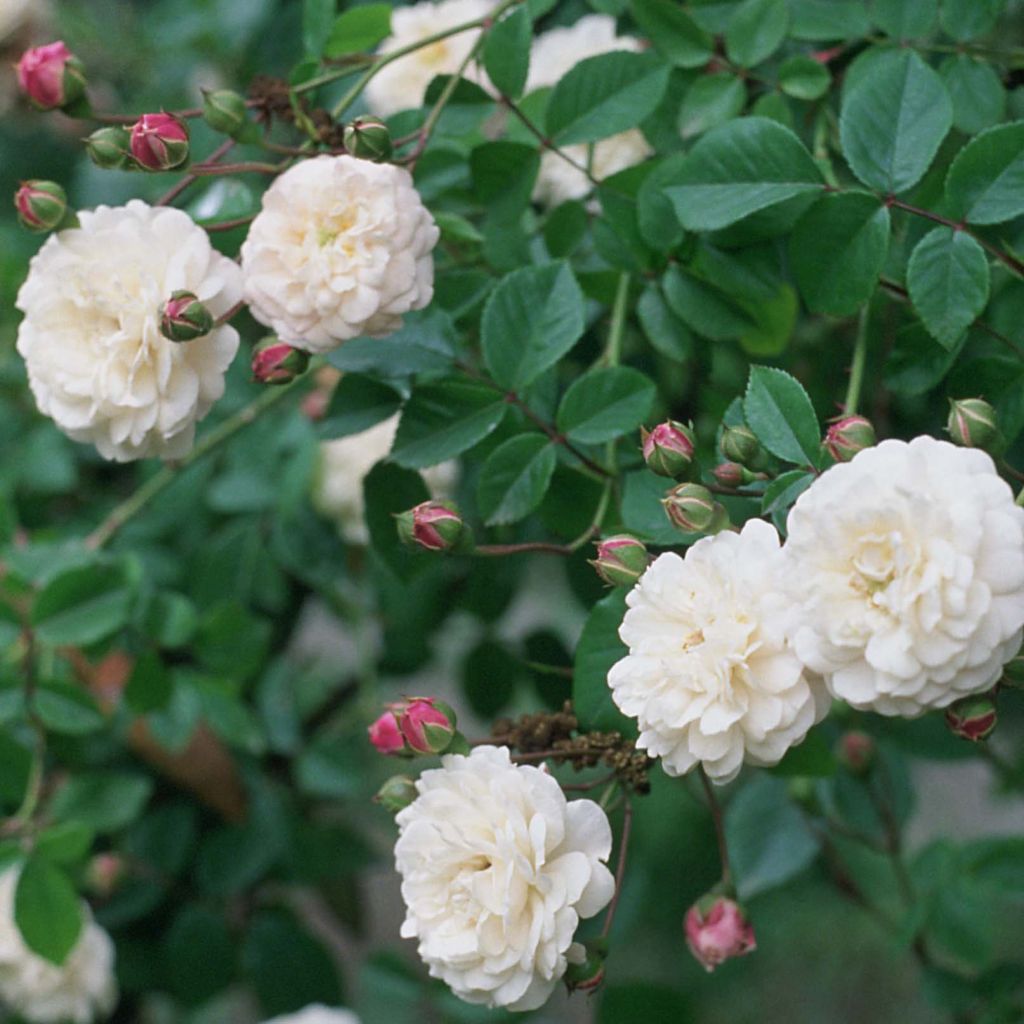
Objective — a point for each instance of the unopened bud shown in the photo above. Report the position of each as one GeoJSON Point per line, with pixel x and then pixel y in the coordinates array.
{"type": "Point", "coordinates": [434, 525]}
{"type": "Point", "coordinates": [973, 718]}
{"type": "Point", "coordinates": [848, 435]}
{"type": "Point", "coordinates": [369, 138]}
{"type": "Point", "coordinates": [732, 474]}
{"type": "Point", "coordinates": [184, 317]}
{"type": "Point", "coordinates": [51, 76]}
{"type": "Point", "coordinates": [691, 508]}
{"type": "Point", "coordinates": [856, 752]}
{"type": "Point", "coordinates": [396, 794]}
{"type": "Point", "coordinates": [1013, 673]}
{"type": "Point", "coordinates": [428, 725]}
{"type": "Point", "coordinates": [972, 423]}
{"type": "Point", "coordinates": [276, 362]}
{"type": "Point", "coordinates": [717, 930]}
{"type": "Point", "coordinates": [585, 972]}
{"type": "Point", "coordinates": [668, 449]}
{"type": "Point", "coordinates": [621, 560]}
{"type": "Point", "coordinates": [739, 444]}
{"type": "Point", "coordinates": [385, 734]}
{"type": "Point", "coordinates": [41, 205]}
{"type": "Point", "coordinates": [110, 147]}
{"type": "Point", "coordinates": [103, 874]}
{"type": "Point", "coordinates": [159, 142]}
{"type": "Point", "coordinates": [224, 111]}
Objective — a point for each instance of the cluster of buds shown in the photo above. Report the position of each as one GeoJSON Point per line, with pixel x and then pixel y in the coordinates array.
{"type": "Point", "coordinates": [368, 138]}
{"type": "Point", "coordinates": [184, 318]}
{"type": "Point", "coordinates": [417, 725]}
{"type": "Point", "coordinates": [693, 509]}
{"type": "Point", "coordinates": [972, 424]}
{"type": "Point", "coordinates": [51, 77]}
{"type": "Point", "coordinates": [717, 930]}
{"type": "Point", "coordinates": [973, 718]}
{"type": "Point", "coordinates": [42, 206]}
{"type": "Point", "coordinates": [848, 435]}
{"type": "Point", "coordinates": [668, 449]}
{"type": "Point", "coordinates": [434, 526]}
{"type": "Point", "coordinates": [276, 362]}
{"type": "Point", "coordinates": [621, 560]}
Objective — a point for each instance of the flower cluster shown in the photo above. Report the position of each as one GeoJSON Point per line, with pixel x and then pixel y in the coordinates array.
{"type": "Point", "coordinates": [900, 589]}
{"type": "Point", "coordinates": [82, 989]}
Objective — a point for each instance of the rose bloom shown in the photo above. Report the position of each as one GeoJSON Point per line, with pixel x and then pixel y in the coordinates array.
{"type": "Point", "coordinates": [402, 84]}
{"type": "Point", "coordinates": [710, 676]}
{"type": "Point", "coordinates": [341, 248]}
{"type": "Point", "coordinates": [910, 562]}
{"type": "Point", "coordinates": [316, 1014]}
{"type": "Point", "coordinates": [497, 870]}
{"type": "Point", "coordinates": [79, 991]}
{"type": "Point", "coordinates": [344, 464]}
{"type": "Point", "coordinates": [97, 362]}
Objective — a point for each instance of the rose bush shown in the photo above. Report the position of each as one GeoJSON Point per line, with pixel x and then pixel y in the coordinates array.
{"type": "Point", "coordinates": [571, 559]}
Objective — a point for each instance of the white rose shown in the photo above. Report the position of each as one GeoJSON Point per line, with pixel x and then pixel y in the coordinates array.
{"type": "Point", "coordinates": [497, 870]}
{"type": "Point", "coordinates": [344, 464]}
{"type": "Point", "coordinates": [97, 362]}
{"type": "Point", "coordinates": [341, 248]}
{"type": "Point", "coordinates": [910, 562]}
{"type": "Point", "coordinates": [79, 991]}
{"type": "Point", "coordinates": [558, 181]}
{"type": "Point", "coordinates": [402, 84]}
{"type": "Point", "coordinates": [13, 14]}
{"type": "Point", "coordinates": [316, 1014]}
{"type": "Point", "coordinates": [558, 51]}
{"type": "Point", "coordinates": [710, 675]}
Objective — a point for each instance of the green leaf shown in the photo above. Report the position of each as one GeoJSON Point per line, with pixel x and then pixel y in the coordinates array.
{"type": "Point", "coordinates": [675, 35]}
{"type": "Point", "coordinates": [604, 404]}
{"type": "Point", "coordinates": [664, 330]}
{"type": "Point", "coordinates": [704, 308]}
{"type": "Point", "coordinates": [389, 490]}
{"type": "Point", "coordinates": [424, 344]}
{"type": "Point", "coordinates": [710, 101]}
{"type": "Point", "coordinates": [66, 708]}
{"type": "Point", "coordinates": [804, 78]}
{"type": "Point", "coordinates": [515, 478]}
{"type": "Point", "coordinates": [532, 318]}
{"type": "Point", "coordinates": [503, 175]}
{"type": "Point", "coordinates": [838, 249]}
{"type": "Point", "coordinates": [894, 120]}
{"type": "Point", "coordinates": [985, 183]}
{"type": "Point", "coordinates": [739, 168]}
{"type": "Point", "coordinates": [489, 675]}
{"type": "Point", "coordinates": [67, 843]}
{"type": "Point", "coordinates": [756, 30]}
{"type": "Point", "coordinates": [598, 649]}
{"type": "Point", "coordinates": [780, 494]}
{"type": "Point", "coordinates": [905, 19]}
{"type": "Point", "coordinates": [83, 605]}
{"type": "Point", "coordinates": [170, 619]}
{"type": "Point", "coordinates": [104, 800]}
{"type": "Point", "coordinates": [150, 685]}
{"type": "Point", "coordinates": [769, 842]}
{"type": "Point", "coordinates": [357, 404]}
{"type": "Point", "coordinates": [317, 17]}
{"type": "Point", "coordinates": [47, 910]}
{"type": "Point", "coordinates": [948, 281]}
{"type": "Point", "coordinates": [979, 99]}
{"type": "Point", "coordinates": [198, 954]}
{"type": "Point", "coordinates": [443, 419]}
{"type": "Point", "coordinates": [507, 52]}
{"type": "Point", "coordinates": [605, 95]}
{"type": "Point", "coordinates": [357, 29]}
{"type": "Point", "coordinates": [819, 20]}
{"type": "Point", "coordinates": [778, 411]}
{"type": "Point", "coordinates": [968, 19]}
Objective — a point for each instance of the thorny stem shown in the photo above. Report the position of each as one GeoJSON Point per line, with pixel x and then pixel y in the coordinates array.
{"type": "Point", "coordinates": [716, 815]}
{"type": "Point", "coordinates": [620, 868]}
{"type": "Point", "coordinates": [860, 352]}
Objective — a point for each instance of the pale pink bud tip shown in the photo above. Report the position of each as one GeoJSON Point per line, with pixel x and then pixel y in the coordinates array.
{"type": "Point", "coordinates": [434, 525]}
{"type": "Point", "coordinates": [621, 560]}
{"type": "Point", "coordinates": [159, 142]}
{"type": "Point", "coordinates": [385, 734]}
{"type": "Point", "coordinates": [847, 436]}
{"type": "Point", "coordinates": [668, 448]}
{"type": "Point", "coordinates": [716, 931]}
{"type": "Point", "coordinates": [51, 76]}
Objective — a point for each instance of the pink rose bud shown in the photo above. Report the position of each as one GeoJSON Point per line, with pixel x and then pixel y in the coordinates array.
{"type": "Point", "coordinates": [692, 508]}
{"type": "Point", "coordinates": [739, 444]}
{"type": "Point", "coordinates": [184, 317]}
{"type": "Point", "coordinates": [51, 76]}
{"type": "Point", "coordinates": [41, 205]}
{"type": "Point", "coordinates": [732, 474]}
{"type": "Point", "coordinates": [103, 873]}
{"type": "Point", "coordinates": [621, 560]}
{"type": "Point", "coordinates": [385, 734]}
{"type": "Point", "coordinates": [856, 752]}
{"type": "Point", "coordinates": [716, 931]}
{"type": "Point", "coordinates": [972, 423]}
{"type": "Point", "coordinates": [427, 725]}
{"type": "Point", "coordinates": [396, 794]}
{"type": "Point", "coordinates": [973, 718]}
{"type": "Point", "coordinates": [275, 362]}
{"type": "Point", "coordinates": [848, 435]}
{"type": "Point", "coordinates": [434, 525]}
{"type": "Point", "coordinates": [159, 142]}
{"type": "Point", "coordinates": [668, 449]}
